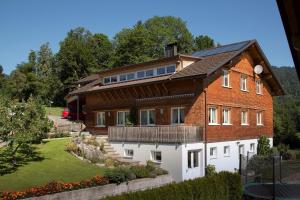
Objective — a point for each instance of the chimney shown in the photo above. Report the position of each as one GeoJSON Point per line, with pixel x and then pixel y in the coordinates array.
{"type": "Point", "coordinates": [171, 50]}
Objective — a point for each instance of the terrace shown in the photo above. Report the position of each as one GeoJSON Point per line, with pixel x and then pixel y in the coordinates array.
{"type": "Point", "coordinates": [156, 134]}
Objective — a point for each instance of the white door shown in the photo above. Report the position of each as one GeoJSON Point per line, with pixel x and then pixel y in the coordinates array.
{"type": "Point", "coordinates": [194, 168]}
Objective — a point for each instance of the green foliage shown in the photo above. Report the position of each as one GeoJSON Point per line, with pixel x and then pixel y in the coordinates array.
{"type": "Point", "coordinates": [224, 185]}
{"type": "Point", "coordinates": [21, 124]}
{"type": "Point", "coordinates": [203, 42]}
{"type": "Point", "coordinates": [287, 108]}
{"type": "Point", "coordinates": [263, 146]}
{"type": "Point", "coordinates": [210, 170]}
{"type": "Point", "coordinates": [140, 171]}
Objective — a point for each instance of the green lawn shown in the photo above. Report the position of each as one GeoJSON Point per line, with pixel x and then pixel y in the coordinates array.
{"type": "Point", "coordinates": [57, 165]}
{"type": "Point", "coordinates": [54, 111]}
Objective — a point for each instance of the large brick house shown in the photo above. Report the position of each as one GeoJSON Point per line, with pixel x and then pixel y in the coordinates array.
{"type": "Point", "coordinates": [190, 110]}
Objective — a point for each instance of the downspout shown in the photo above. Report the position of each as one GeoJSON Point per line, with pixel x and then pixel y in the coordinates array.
{"type": "Point", "coordinates": [205, 135]}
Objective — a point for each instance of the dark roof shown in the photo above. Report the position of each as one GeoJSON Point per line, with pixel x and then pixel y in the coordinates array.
{"type": "Point", "coordinates": [289, 11]}
{"type": "Point", "coordinates": [211, 60]}
{"type": "Point", "coordinates": [88, 79]}
{"type": "Point", "coordinates": [222, 49]}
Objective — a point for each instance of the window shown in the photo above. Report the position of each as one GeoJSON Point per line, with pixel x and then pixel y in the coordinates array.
{"type": "Point", "coordinates": [258, 86]}
{"type": "Point", "coordinates": [149, 72]}
{"type": "Point", "coordinates": [225, 78]}
{"type": "Point", "coordinates": [123, 77]}
{"type": "Point", "coordinates": [122, 118]}
{"type": "Point", "coordinates": [193, 158]}
{"type": "Point", "coordinates": [147, 117]}
{"type": "Point", "coordinates": [130, 76]}
{"type": "Point", "coordinates": [101, 119]}
{"type": "Point", "coordinates": [259, 118]}
{"type": "Point", "coordinates": [178, 115]}
{"type": "Point", "coordinates": [244, 117]}
{"type": "Point", "coordinates": [252, 147]}
{"type": "Point", "coordinates": [113, 79]}
{"type": "Point", "coordinates": [226, 116]}
{"type": "Point", "coordinates": [213, 152]}
{"type": "Point", "coordinates": [243, 83]}
{"type": "Point", "coordinates": [212, 116]}
{"type": "Point", "coordinates": [140, 74]}
{"type": "Point", "coordinates": [128, 153]}
{"type": "Point", "coordinates": [161, 70]}
{"type": "Point", "coordinates": [241, 149]}
{"type": "Point", "coordinates": [107, 80]}
{"type": "Point", "coordinates": [156, 156]}
{"type": "Point", "coordinates": [226, 150]}
{"type": "Point", "coordinates": [171, 69]}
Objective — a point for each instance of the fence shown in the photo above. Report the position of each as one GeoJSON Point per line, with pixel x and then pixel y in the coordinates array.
{"type": "Point", "coordinates": [155, 134]}
{"type": "Point", "coordinates": [267, 177]}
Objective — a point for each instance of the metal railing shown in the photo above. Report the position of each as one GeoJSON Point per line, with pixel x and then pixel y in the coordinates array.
{"type": "Point", "coordinates": [156, 134]}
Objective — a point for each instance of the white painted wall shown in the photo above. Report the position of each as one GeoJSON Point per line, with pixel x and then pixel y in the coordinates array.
{"type": "Point", "coordinates": [175, 157]}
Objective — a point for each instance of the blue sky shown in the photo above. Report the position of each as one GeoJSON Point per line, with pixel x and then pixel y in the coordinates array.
{"type": "Point", "coordinates": [25, 25]}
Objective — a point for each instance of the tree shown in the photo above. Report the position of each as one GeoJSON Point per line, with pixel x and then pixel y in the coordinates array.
{"type": "Point", "coordinates": [166, 30]}
{"type": "Point", "coordinates": [21, 125]}
{"type": "Point", "coordinates": [132, 46]}
{"type": "Point", "coordinates": [263, 146]}
{"type": "Point", "coordinates": [203, 42]}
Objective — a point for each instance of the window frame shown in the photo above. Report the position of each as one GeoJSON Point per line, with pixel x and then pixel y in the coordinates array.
{"type": "Point", "coordinates": [102, 113]}
{"type": "Point", "coordinates": [259, 118]}
{"type": "Point", "coordinates": [153, 156]}
{"type": "Point", "coordinates": [258, 87]}
{"type": "Point", "coordinates": [178, 115]}
{"type": "Point", "coordinates": [168, 71]}
{"type": "Point", "coordinates": [210, 151]}
{"type": "Point", "coordinates": [252, 150]}
{"type": "Point", "coordinates": [224, 149]}
{"type": "Point", "coordinates": [247, 116]}
{"type": "Point", "coordinates": [191, 155]}
{"type": "Point", "coordinates": [148, 117]}
{"type": "Point", "coordinates": [229, 116]}
{"type": "Point", "coordinates": [226, 75]}
{"type": "Point", "coordinates": [123, 116]}
{"type": "Point", "coordinates": [216, 116]}
{"type": "Point", "coordinates": [127, 155]}
{"type": "Point", "coordinates": [244, 77]}
{"type": "Point", "coordinates": [243, 146]}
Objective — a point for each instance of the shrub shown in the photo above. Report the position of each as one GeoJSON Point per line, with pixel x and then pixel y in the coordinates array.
{"type": "Point", "coordinates": [140, 171]}
{"type": "Point", "coordinates": [92, 142]}
{"type": "Point", "coordinates": [225, 186]}
{"type": "Point", "coordinates": [117, 175]}
{"type": "Point", "coordinates": [263, 146]}
{"type": "Point", "coordinates": [59, 134]}
{"type": "Point", "coordinates": [210, 170]}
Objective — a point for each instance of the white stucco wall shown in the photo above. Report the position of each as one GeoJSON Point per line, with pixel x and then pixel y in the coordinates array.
{"type": "Point", "coordinates": [175, 157]}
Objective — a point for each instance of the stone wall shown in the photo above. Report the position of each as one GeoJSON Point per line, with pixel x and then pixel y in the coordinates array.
{"type": "Point", "coordinates": [100, 192]}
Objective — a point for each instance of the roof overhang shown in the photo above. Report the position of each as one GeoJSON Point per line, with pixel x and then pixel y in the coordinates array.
{"type": "Point", "coordinates": [290, 15]}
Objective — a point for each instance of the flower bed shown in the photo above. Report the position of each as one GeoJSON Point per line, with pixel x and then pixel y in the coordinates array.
{"type": "Point", "coordinates": [54, 187]}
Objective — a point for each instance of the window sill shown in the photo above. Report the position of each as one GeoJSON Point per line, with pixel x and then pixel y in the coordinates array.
{"type": "Point", "coordinates": [226, 124]}
{"type": "Point", "coordinates": [259, 125]}
{"type": "Point", "coordinates": [245, 90]}
{"type": "Point", "coordinates": [213, 124]}
{"type": "Point", "coordinates": [244, 124]}
{"type": "Point", "coordinates": [226, 156]}
{"type": "Point", "coordinates": [228, 87]}
{"type": "Point", "coordinates": [156, 162]}
{"type": "Point", "coordinates": [260, 94]}
{"type": "Point", "coordinates": [213, 158]}
{"type": "Point", "coordinates": [128, 157]}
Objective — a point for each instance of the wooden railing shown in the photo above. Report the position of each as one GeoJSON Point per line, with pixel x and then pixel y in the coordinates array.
{"type": "Point", "coordinates": [156, 134]}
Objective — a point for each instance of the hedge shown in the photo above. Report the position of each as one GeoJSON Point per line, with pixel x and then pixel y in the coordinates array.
{"type": "Point", "coordinates": [224, 185]}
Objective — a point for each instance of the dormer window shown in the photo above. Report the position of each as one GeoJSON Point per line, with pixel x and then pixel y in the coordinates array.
{"type": "Point", "coordinates": [161, 71]}
{"type": "Point", "coordinates": [130, 76]}
{"type": "Point", "coordinates": [113, 79]}
{"type": "Point", "coordinates": [123, 77]}
{"type": "Point", "coordinates": [149, 73]}
{"type": "Point", "coordinates": [225, 78]}
{"type": "Point", "coordinates": [171, 69]}
{"type": "Point", "coordinates": [140, 74]}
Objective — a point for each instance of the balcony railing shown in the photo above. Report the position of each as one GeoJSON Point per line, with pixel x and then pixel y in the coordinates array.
{"type": "Point", "coordinates": [156, 134]}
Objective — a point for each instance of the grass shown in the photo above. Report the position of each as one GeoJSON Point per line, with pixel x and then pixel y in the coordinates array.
{"type": "Point", "coordinates": [57, 165]}
{"type": "Point", "coordinates": [56, 111]}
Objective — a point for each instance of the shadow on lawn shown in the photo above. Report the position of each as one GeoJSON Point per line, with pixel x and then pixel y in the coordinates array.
{"type": "Point", "coordinates": [10, 161]}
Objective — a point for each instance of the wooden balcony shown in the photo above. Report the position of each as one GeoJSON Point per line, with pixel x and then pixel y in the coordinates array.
{"type": "Point", "coordinates": [156, 134]}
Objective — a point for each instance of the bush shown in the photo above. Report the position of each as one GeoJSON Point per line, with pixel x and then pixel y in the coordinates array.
{"type": "Point", "coordinates": [224, 185]}
{"type": "Point", "coordinates": [59, 134]}
{"type": "Point", "coordinates": [118, 175]}
{"type": "Point", "coordinates": [140, 171]}
{"type": "Point", "coordinates": [263, 146]}
{"type": "Point", "coordinates": [210, 170]}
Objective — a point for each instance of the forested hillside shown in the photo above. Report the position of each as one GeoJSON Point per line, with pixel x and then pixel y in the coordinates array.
{"type": "Point", "coordinates": [287, 108]}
